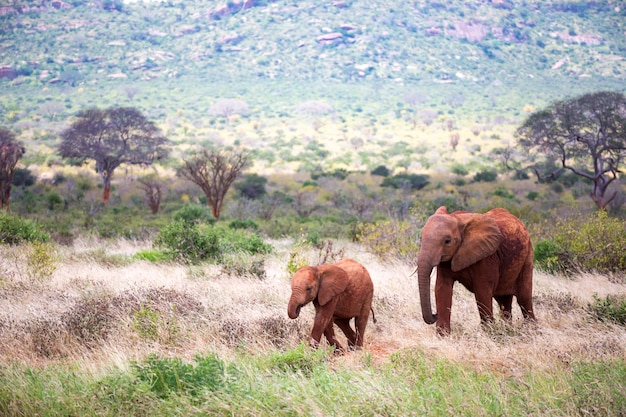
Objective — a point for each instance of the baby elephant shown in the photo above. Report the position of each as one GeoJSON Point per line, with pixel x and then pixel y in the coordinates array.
{"type": "Point", "coordinates": [339, 292]}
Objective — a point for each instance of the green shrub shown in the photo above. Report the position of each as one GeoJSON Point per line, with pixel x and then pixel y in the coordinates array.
{"type": "Point", "coordinates": [611, 309]}
{"type": "Point", "coordinates": [234, 240]}
{"type": "Point", "coordinates": [551, 258]}
{"type": "Point", "coordinates": [243, 224]}
{"type": "Point", "coordinates": [390, 238]}
{"type": "Point", "coordinates": [402, 181]}
{"type": "Point", "coordinates": [486, 175]}
{"type": "Point", "coordinates": [194, 213]}
{"type": "Point", "coordinates": [594, 243]}
{"type": "Point", "coordinates": [15, 230]}
{"type": "Point", "coordinates": [41, 260]}
{"type": "Point", "coordinates": [193, 243]}
{"type": "Point", "coordinates": [188, 242]}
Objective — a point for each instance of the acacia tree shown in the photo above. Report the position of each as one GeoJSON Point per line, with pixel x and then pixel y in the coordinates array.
{"type": "Point", "coordinates": [214, 171]}
{"type": "Point", "coordinates": [11, 151]}
{"type": "Point", "coordinates": [585, 135]}
{"type": "Point", "coordinates": [112, 137]}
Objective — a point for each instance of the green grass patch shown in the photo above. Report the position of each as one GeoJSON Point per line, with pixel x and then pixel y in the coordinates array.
{"type": "Point", "coordinates": [305, 382]}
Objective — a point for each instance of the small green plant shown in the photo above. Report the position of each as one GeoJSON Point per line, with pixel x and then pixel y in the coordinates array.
{"type": "Point", "coordinates": [297, 258]}
{"type": "Point", "coordinates": [241, 264]}
{"type": "Point", "coordinates": [154, 326]}
{"type": "Point", "coordinates": [41, 260]}
{"type": "Point", "coordinates": [611, 308]}
{"type": "Point", "coordinates": [167, 376]}
{"type": "Point", "coordinates": [152, 255]}
{"type": "Point", "coordinates": [302, 359]}
{"type": "Point", "coordinates": [146, 322]}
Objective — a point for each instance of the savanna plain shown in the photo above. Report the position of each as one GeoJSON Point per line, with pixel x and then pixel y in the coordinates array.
{"type": "Point", "coordinates": [106, 333]}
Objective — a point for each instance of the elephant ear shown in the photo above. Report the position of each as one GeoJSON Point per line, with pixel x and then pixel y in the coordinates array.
{"type": "Point", "coordinates": [481, 238]}
{"type": "Point", "coordinates": [333, 281]}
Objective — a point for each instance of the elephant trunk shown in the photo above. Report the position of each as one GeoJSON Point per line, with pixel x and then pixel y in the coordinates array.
{"type": "Point", "coordinates": [424, 270]}
{"type": "Point", "coordinates": [293, 309]}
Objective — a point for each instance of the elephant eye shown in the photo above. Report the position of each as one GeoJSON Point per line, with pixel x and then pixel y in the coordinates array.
{"type": "Point", "coordinates": [447, 241]}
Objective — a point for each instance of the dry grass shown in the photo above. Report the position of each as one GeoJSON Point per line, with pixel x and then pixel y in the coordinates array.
{"type": "Point", "coordinates": [100, 312]}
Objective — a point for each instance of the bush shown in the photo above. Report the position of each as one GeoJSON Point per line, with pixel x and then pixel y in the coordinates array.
{"type": "Point", "coordinates": [592, 243]}
{"type": "Point", "coordinates": [486, 175]}
{"type": "Point", "coordinates": [193, 243]}
{"type": "Point", "coordinates": [194, 213]}
{"type": "Point", "coordinates": [243, 224]}
{"type": "Point", "coordinates": [41, 260]}
{"type": "Point", "coordinates": [390, 238]}
{"type": "Point", "coordinates": [612, 309]}
{"type": "Point", "coordinates": [15, 230]}
{"type": "Point", "coordinates": [401, 181]}
{"type": "Point", "coordinates": [381, 171]}
{"type": "Point", "coordinates": [551, 258]}
{"type": "Point", "coordinates": [188, 242]}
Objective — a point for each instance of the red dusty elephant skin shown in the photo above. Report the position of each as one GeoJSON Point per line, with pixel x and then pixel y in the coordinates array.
{"type": "Point", "coordinates": [339, 292]}
{"type": "Point", "coordinates": [490, 254]}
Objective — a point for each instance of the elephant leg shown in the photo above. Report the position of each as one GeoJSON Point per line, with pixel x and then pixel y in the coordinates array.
{"type": "Point", "coordinates": [485, 307]}
{"type": "Point", "coordinates": [360, 323]}
{"type": "Point", "coordinates": [323, 318]}
{"type": "Point", "coordinates": [344, 325]}
{"type": "Point", "coordinates": [329, 332]}
{"type": "Point", "coordinates": [505, 302]}
{"type": "Point", "coordinates": [443, 300]}
{"type": "Point", "coordinates": [525, 291]}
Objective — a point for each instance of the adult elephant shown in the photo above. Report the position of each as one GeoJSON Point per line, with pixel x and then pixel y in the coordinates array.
{"type": "Point", "coordinates": [339, 292]}
{"type": "Point", "coordinates": [490, 254]}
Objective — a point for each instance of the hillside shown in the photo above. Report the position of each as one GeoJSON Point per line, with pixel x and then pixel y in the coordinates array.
{"type": "Point", "coordinates": [276, 54]}
{"type": "Point", "coordinates": [340, 84]}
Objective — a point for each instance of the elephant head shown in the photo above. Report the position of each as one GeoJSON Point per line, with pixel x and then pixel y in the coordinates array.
{"type": "Point", "coordinates": [459, 238]}
{"type": "Point", "coordinates": [321, 282]}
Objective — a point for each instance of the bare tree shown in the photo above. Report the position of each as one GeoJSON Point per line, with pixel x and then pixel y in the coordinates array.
{"type": "Point", "coordinates": [51, 109]}
{"type": "Point", "coordinates": [214, 171]}
{"type": "Point", "coordinates": [415, 99]}
{"type": "Point", "coordinates": [130, 91]}
{"type": "Point", "coordinates": [11, 151]}
{"type": "Point", "coordinates": [585, 135]}
{"type": "Point", "coordinates": [153, 190]}
{"type": "Point", "coordinates": [112, 137]}
{"type": "Point", "coordinates": [454, 140]}
{"type": "Point", "coordinates": [228, 107]}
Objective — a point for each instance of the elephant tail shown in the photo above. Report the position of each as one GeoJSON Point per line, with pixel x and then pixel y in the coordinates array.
{"type": "Point", "coordinates": [373, 315]}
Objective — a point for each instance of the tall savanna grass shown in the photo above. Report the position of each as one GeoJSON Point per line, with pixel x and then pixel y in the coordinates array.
{"type": "Point", "coordinates": [106, 333]}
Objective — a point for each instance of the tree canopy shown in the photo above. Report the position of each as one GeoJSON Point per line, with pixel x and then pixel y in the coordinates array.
{"type": "Point", "coordinates": [214, 171]}
{"type": "Point", "coordinates": [585, 135]}
{"type": "Point", "coordinates": [11, 151]}
{"type": "Point", "coordinates": [112, 137]}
